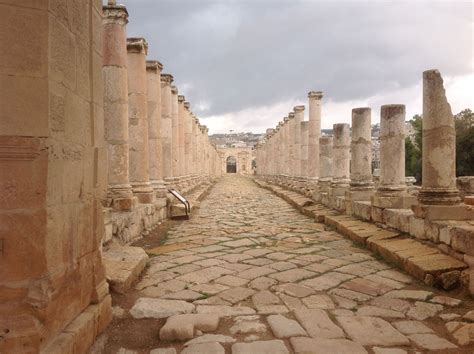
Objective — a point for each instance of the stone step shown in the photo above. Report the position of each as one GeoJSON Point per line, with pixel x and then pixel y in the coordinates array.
{"type": "Point", "coordinates": [418, 259]}
{"type": "Point", "coordinates": [194, 197]}
{"type": "Point", "coordinates": [123, 265]}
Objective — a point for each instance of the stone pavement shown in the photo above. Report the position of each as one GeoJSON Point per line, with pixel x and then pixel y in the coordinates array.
{"type": "Point", "coordinates": [250, 274]}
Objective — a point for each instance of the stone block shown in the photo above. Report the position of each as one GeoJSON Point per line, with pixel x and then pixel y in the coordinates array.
{"type": "Point", "coordinates": [362, 210]}
{"type": "Point", "coordinates": [182, 327]}
{"type": "Point", "coordinates": [444, 212]}
{"type": "Point", "coordinates": [434, 264]}
{"type": "Point", "coordinates": [377, 214]}
{"type": "Point", "coordinates": [462, 238]}
{"type": "Point", "coordinates": [123, 265]}
{"type": "Point", "coordinates": [417, 227]}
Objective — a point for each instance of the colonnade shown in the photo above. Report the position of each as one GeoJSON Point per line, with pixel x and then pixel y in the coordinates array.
{"type": "Point", "coordinates": [337, 171]}
{"type": "Point", "coordinates": [154, 140]}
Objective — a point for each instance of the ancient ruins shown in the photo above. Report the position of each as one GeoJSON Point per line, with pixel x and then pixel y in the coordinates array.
{"type": "Point", "coordinates": [301, 250]}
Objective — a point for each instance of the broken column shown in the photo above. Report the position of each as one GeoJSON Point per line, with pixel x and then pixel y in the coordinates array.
{"type": "Point", "coordinates": [314, 132]}
{"type": "Point", "coordinates": [114, 71]}
{"type": "Point", "coordinates": [153, 69]}
{"type": "Point", "coordinates": [391, 191]}
{"type": "Point", "coordinates": [304, 149]}
{"type": "Point", "coordinates": [166, 80]}
{"type": "Point", "coordinates": [299, 116]}
{"type": "Point", "coordinates": [340, 162]}
{"type": "Point", "coordinates": [439, 196]}
{"type": "Point", "coordinates": [138, 119]}
{"type": "Point", "coordinates": [181, 118]}
{"type": "Point", "coordinates": [325, 167]}
{"type": "Point", "coordinates": [174, 132]}
{"type": "Point", "coordinates": [361, 185]}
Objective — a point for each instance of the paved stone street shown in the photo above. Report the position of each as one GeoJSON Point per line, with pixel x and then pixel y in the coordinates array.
{"type": "Point", "coordinates": [249, 274]}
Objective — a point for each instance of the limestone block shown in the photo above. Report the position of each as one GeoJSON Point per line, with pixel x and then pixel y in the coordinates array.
{"type": "Point", "coordinates": [123, 266]}
{"type": "Point", "coordinates": [462, 238]}
{"type": "Point", "coordinates": [157, 308]}
{"type": "Point", "coordinates": [362, 210]}
{"type": "Point", "coordinates": [181, 327]}
{"type": "Point", "coordinates": [417, 227]}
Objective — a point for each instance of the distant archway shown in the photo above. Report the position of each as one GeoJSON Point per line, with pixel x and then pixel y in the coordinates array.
{"type": "Point", "coordinates": [231, 164]}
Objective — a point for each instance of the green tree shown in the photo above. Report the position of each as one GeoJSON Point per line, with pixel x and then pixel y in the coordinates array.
{"type": "Point", "coordinates": [464, 123]}
{"type": "Point", "coordinates": [413, 148]}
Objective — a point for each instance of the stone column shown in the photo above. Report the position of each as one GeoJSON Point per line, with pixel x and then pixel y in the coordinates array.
{"type": "Point", "coordinates": [138, 119]}
{"type": "Point", "coordinates": [341, 159]}
{"type": "Point", "coordinates": [188, 130]}
{"type": "Point", "coordinates": [361, 185]}
{"type": "Point", "coordinates": [314, 132]}
{"type": "Point", "coordinates": [154, 68]}
{"type": "Point", "coordinates": [194, 146]}
{"type": "Point", "coordinates": [291, 145]}
{"type": "Point", "coordinates": [391, 191]}
{"type": "Point", "coordinates": [439, 196]}
{"type": "Point", "coordinates": [439, 144]}
{"type": "Point", "coordinates": [286, 157]}
{"type": "Point", "coordinates": [166, 80]}
{"type": "Point", "coordinates": [114, 71]}
{"type": "Point", "coordinates": [174, 131]}
{"type": "Point", "coordinates": [181, 118]}
{"type": "Point", "coordinates": [325, 168]}
{"type": "Point", "coordinates": [299, 116]}
{"type": "Point", "coordinates": [304, 149]}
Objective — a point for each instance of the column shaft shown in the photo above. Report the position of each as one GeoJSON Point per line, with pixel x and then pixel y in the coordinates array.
{"type": "Point", "coordinates": [314, 133]}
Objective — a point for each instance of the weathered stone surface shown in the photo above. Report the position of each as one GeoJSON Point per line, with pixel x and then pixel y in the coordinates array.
{"type": "Point", "coordinates": [381, 332]}
{"type": "Point", "coordinates": [231, 281]}
{"type": "Point", "coordinates": [157, 308]}
{"type": "Point", "coordinates": [326, 281]}
{"type": "Point", "coordinates": [412, 327]}
{"type": "Point", "coordinates": [181, 327]}
{"type": "Point", "coordinates": [244, 327]}
{"type": "Point", "coordinates": [263, 347]}
{"type": "Point", "coordinates": [292, 275]}
{"type": "Point", "coordinates": [379, 312]}
{"type": "Point", "coordinates": [294, 290]}
{"type": "Point", "coordinates": [379, 350]}
{"type": "Point", "coordinates": [325, 346]}
{"type": "Point", "coordinates": [186, 295]}
{"type": "Point", "coordinates": [163, 351]}
{"type": "Point", "coordinates": [431, 342]}
{"type": "Point", "coordinates": [255, 272]}
{"type": "Point", "coordinates": [204, 348]}
{"type": "Point", "coordinates": [423, 310]}
{"type": "Point", "coordinates": [464, 335]}
{"type": "Point", "coordinates": [237, 294]}
{"type": "Point", "coordinates": [283, 327]}
{"type": "Point", "coordinates": [265, 297]}
{"type": "Point", "coordinates": [319, 302]}
{"type": "Point", "coordinates": [224, 311]}
{"type": "Point", "coordinates": [318, 324]}
{"type": "Point", "coordinates": [210, 338]}
{"type": "Point", "coordinates": [410, 294]}
{"type": "Point", "coordinates": [210, 289]}
{"type": "Point", "coordinates": [262, 283]}
{"type": "Point", "coordinates": [123, 265]}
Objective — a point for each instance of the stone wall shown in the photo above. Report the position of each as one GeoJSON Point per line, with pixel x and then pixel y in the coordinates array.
{"type": "Point", "coordinates": [52, 157]}
{"type": "Point", "coordinates": [243, 156]}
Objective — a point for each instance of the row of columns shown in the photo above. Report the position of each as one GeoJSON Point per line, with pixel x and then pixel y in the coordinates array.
{"type": "Point", "coordinates": [296, 152]}
{"type": "Point", "coordinates": [154, 140]}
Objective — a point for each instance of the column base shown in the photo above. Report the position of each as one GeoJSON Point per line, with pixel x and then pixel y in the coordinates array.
{"type": "Point", "coordinates": [403, 201]}
{"type": "Point", "coordinates": [432, 196]}
{"type": "Point", "coordinates": [144, 192]}
{"type": "Point", "coordinates": [124, 204]}
{"type": "Point", "coordinates": [359, 195]}
{"type": "Point", "coordinates": [444, 212]}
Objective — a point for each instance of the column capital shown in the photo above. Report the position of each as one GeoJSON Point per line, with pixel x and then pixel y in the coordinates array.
{"type": "Point", "coordinates": [167, 78]}
{"type": "Point", "coordinates": [174, 90]}
{"type": "Point", "coordinates": [291, 115]}
{"type": "Point", "coordinates": [285, 119]}
{"type": "Point", "coordinates": [181, 98]}
{"type": "Point", "coordinates": [115, 14]}
{"type": "Point", "coordinates": [137, 45]}
{"type": "Point", "coordinates": [154, 65]}
{"type": "Point", "coordinates": [317, 95]}
{"type": "Point", "coordinates": [361, 110]}
{"type": "Point", "coordinates": [298, 109]}
{"type": "Point", "coordinates": [187, 105]}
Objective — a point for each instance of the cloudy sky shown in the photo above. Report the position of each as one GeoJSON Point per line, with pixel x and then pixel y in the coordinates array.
{"type": "Point", "coordinates": [244, 64]}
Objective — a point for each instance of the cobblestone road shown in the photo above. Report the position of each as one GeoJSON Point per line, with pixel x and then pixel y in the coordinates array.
{"type": "Point", "coordinates": [249, 274]}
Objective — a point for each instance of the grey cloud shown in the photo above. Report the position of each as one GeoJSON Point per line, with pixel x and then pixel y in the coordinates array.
{"type": "Point", "coordinates": [241, 54]}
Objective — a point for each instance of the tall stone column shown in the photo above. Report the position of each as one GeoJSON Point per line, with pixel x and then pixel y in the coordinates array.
{"type": "Point", "coordinates": [166, 80]}
{"type": "Point", "coordinates": [291, 145]}
{"type": "Point", "coordinates": [325, 162]}
{"type": "Point", "coordinates": [174, 131]}
{"type": "Point", "coordinates": [438, 186]}
{"type": "Point", "coordinates": [188, 130]}
{"type": "Point", "coordinates": [304, 149]}
{"type": "Point", "coordinates": [314, 132]}
{"type": "Point", "coordinates": [361, 185]}
{"type": "Point", "coordinates": [114, 71]}
{"type": "Point", "coordinates": [138, 119]}
{"type": "Point", "coordinates": [286, 161]}
{"type": "Point", "coordinates": [299, 116]}
{"type": "Point", "coordinates": [181, 118]}
{"type": "Point", "coordinates": [391, 192]}
{"type": "Point", "coordinates": [194, 146]}
{"type": "Point", "coordinates": [439, 196]}
{"type": "Point", "coordinates": [341, 159]}
{"type": "Point", "coordinates": [153, 69]}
